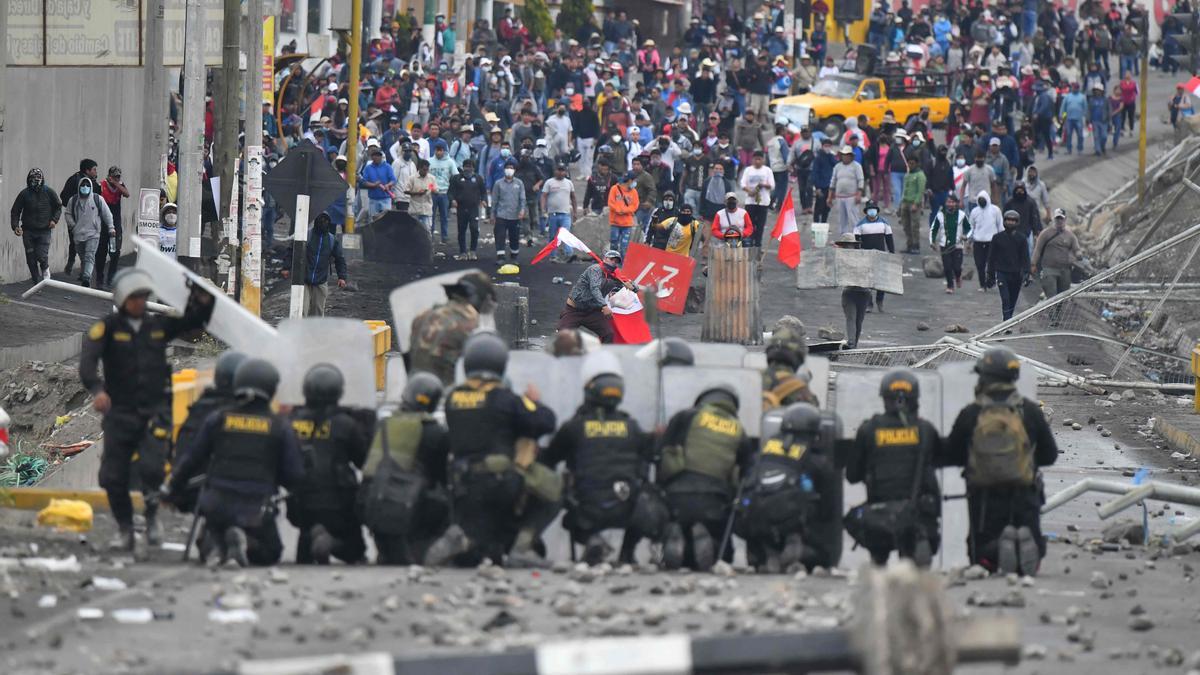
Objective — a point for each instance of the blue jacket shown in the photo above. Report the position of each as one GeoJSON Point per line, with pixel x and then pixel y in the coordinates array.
{"type": "Point", "coordinates": [822, 169]}
{"type": "Point", "coordinates": [323, 249]}
{"type": "Point", "coordinates": [495, 170]}
{"type": "Point", "coordinates": [1043, 104]}
{"type": "Point", "coordinates": [1098, 111]}
{"type": "Point", "coordinates": [1074, 106]}
{"type": "Point", "coordinates": [381, 173]}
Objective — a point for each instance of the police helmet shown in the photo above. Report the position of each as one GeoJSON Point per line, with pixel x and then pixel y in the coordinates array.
{"type": "Point", "coordinates": [256, 378]}
{"type": "Point", "coordinates": [677, 352]}
{"type": "Point", "coordinates": [899, 390]}
{"type": "Point", "coordinates": [803, 419]}
{"type": "Point", "coordinates": [129, 282]}
{"type": "Point", "coordinates": [787, 346]}
{"type": "Point", "coordinates": [421, 393]}
{"type": "Point", "coordinates": [999, 363]}
{"type": "Point", "coordinates": [605, 390]}
{"type": "Point", "coordinates": [476, 288]}
{"type": "Point", "coordinates": [226, 366]}
{"type": "Point", "coordinates": [721, 395]}
{"type": "Point", "coordinates": [323, 385]}
{"type": "Point", "coordinates": [485, 354]}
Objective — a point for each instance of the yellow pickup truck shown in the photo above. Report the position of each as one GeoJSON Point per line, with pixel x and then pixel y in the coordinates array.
{"type": "Point", "coordinates": [838, 97]}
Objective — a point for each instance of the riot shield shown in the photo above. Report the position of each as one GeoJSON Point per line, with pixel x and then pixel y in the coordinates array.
{"type": "Point", "coordinates": [397, 378]}
{"type": "Point", "coordinates": [816, 368]}
{"type": "Point", "coordinates": [230, 322]}
{"type": "Point", "coordinates": [639, 366]}
{"type": "Point", "coordinates": [556, 378]}
{"type": "Point", "coordinates": [858, 397]}
{"type": "Point", "coordinates": [409, 300]}
{"type": "Point", "coordinates": [683, 384]}
{"type": "Point", "coordinates": [303, 343]}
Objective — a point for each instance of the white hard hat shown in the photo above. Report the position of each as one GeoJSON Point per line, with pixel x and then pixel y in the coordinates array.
{"type": "Point", "coordinates": [685, 108]}
{"type": "Point", "coordinates": [129, 282]}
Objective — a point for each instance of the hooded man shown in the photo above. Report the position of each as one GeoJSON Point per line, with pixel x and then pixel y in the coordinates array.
{"type": "Point", "coordinates": [1027, 209]}
{"type": "Point", "coordinates": [324, 250]}
{"type": "Point", "coordinates": [35, 212]}
{"type": "Point", "coordinates": [1008, 263]}
{"type": "Point", "coordinates": [986, 221]}
{"type": "Point", "coordinates": [88, 214]}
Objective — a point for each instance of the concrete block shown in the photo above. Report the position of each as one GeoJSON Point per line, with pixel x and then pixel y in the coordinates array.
{"type": "Point", "coordinates": [512, 314]}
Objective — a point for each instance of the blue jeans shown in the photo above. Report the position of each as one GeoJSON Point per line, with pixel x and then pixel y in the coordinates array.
{"type": "Point", "coordinates": [557, 220]}
{"type": "Point", "coordinates": [378, 206]}
{"type": "Point", "coordinates": [1115, 127]}
{"type": "Point", "coordinates": [618, 238]}
{"type": "Point", "coordinates": [1129, 63]}
{"type": "Point", "coordinates": [1009, 284]}
{"type": "Point", "coordinates": [897, 186]}
{"type": "Point", "coordinates": [1099, 137]}
{"type": "Point", "coordinates": [441, 213]}
{"type": "Point", "coordinates": [1074, 127]}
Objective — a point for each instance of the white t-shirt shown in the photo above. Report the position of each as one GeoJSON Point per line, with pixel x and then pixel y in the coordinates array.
{"type": "Point", "coordinates": [558, 193]}
{"type": "Point", "coordinates": [761, 178]}
{"type": "Point", "coordinates": [560, 124]}
{"type": "Point", "coordinates": [167, 237]}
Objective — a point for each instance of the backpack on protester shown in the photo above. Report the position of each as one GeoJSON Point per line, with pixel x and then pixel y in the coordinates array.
{"type": "Point", "coordinates": [1000, 453]}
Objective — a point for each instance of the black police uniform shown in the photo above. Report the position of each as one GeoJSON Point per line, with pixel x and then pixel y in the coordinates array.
{"type": "Point", "coordinates": [247, 452]}
{"type": "Point", "coordinates": [211, 401]}
{"type": "Point", "coordinates": [333, 444]}
{"type": "Point", "coordinates": [608, 457]}
{"type": "Point", "coordinates": [486, 420]}
{"type": "Point", "coordinates": [887, 453]}
{"type": "Point", "coordinates": [137, 379]}
{"type": "Point", "coordinates": [403, 500]}
{"type": "Point", "coordinates": [781, 495]}
{"type": "Point", "coordinates": [993, 509]}
{"type": "Point", "coordinates": [700, 455]}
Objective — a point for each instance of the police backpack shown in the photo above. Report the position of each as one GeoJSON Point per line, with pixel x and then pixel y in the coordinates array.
{"type": "Point", "coordinates": [388, 502]}
{"type": "Point", "coordinates": [1000, 453]}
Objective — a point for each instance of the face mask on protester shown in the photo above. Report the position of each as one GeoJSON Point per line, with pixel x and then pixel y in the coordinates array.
{"type": "Point", "coordinates": [981, 201]}
{"type": "Point", "coordinates": [871, 213]}
{"type": "Point", "coordinates": [960, 162]}
{"type": "Point", "coordinates": [510, 172]}
{"type": "Point", "coordinates": [610, 266]}
{"type": "Point", "coordinates": [616, 138]}
{"type": "Point", "coordinates": [668, 203]}
{"type": "Point", "coordinates": [731, 205]}
{"type": "Point", "coordinates": [978, 161]}
{"type": "Point", "coordinates": [85, 190]}
{"type": "Point", "coordinates": [505, 152]}
{"type": "Point", "coordinates": [170, 218]}
{"type": "Point", "coordinates": [570, 91]}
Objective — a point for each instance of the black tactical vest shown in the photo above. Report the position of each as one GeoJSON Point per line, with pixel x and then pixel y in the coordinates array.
{"type": "Point", "coordinates": [477, 427]}
{"type": "Point", "coordinates": [608, 453]}
{"type": "Point", "coordinates": [892, 460]}
{"type": "Point", "coordinates": [244, 445]}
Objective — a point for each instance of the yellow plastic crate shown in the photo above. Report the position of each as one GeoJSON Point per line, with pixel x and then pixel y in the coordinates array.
{"type": "Point", "coordinates": [382, 332]}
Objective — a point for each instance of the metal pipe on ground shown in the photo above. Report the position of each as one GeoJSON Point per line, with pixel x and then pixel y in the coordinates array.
{"type": "Point", "coordinates": [92, 292]}
{"type": "Point", "coordinates": [1131, 494]}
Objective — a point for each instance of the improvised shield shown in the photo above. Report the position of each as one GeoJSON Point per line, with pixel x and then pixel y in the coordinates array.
{"type": "Point", "coordinates": [838, 267]}
{"type": "Point", "coordinates": [231, 322]}
{"type": "Point", "coordinates": [397, 237]}
{"type": "Point", "coordinates": [409, 300]}
{"type": "Point", "coordinates": [303, 343]}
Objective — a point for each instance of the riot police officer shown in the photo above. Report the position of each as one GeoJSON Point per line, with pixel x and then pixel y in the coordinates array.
{"type": "Point", "coordinates": [781, 494]}
{"type": "Point", "coordinates": [134, 394]}
{"type": "Point", "coordinates": [333, 444]}
{"type": "Point", "coordinates": [894, 455]}
{"type": "Point", "coordinates": [699, 458]}
{"type": "Point", "coordinates": [608, 459]}
{"type": "Point", "coordinates": [402, 500]}
{"type": "Point", "coordinates": [214, 398]}
{"type": "Point", "coordinates": [503, 497]}
{"type": "Point", "coordinates": [786, 351]}
{"type": "Point", "coordinates": [1001, 440]}
{"type": "Point", "coordinates": [247, 452]}
{"type": "Point", "coordinates": [438, 334]}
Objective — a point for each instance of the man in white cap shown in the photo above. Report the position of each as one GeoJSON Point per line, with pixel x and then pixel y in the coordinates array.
{"type": "Point", "coordinates": [846, 191]}
{"type": "Point", "coordinates": [1056, 250]}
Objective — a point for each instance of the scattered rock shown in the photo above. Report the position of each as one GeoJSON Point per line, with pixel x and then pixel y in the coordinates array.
{"type": "Point", "coordinates": [974, 573]}
{"type": "Point", "coordinates": [1100, 580]}
{"type": "Point", "coordinates": [827, 333]}
{"type": "Point", "coordinates": [1129, 395]}
{"type": "Point", "coordinates": [932, 266]}
{"type": "Point", "coordinates": [1106, 433]}
{"type": "Point", "coordinates": [957, 328]}
{"type": "Point", "coordinates": [922, 326]}
{"type": "Point", "coordinates": [723, 569]}
{"type": "Point", "coordinates": [1129, 531]}
{"type": "Point", "coordinates": [277, 576]}
{"type": "Point", "coordinates": [1068, 422]}
{"type": "Point", "coordinates": [1077, 426]}
{"type": "Point", "coordinates": [1141, 624]}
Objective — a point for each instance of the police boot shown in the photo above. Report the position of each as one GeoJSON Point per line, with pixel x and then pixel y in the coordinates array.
{"type": "Point", "coordinates": [597, 550]}
{"type": "Point", "coordinates": [522, 554]}
{"type": "Point", "coordinates": [1027, 552]}
{"type": "Point", "coordinates": [450, 545]}
{"type": "Point", "coordinates": [673, 547]}
{"type": "Point", "coordinates": [1007, 559]}
{"type": "Point", "coordinates": [922, 553]}
{"type": "Point", "coordinates": [704, 552]}
{"type": "Point", "coordinates": [321, 544]}
{"type": "Point", "coordinates": [793, 551]}
{"type": "Point", "coordinates": [235, 546]}
{"type": "Point", "coordinates": [125, 540]}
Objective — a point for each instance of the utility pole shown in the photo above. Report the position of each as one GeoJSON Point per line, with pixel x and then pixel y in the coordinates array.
{"type": "Point", "coordinates": [1144, 29]}
{"type": "Point", "coordinates": [229, 86]}
{"type": "Point", "coordinates": [251, 277]}
{"type": "Point", "coordinates": [191, 137]}
{"type": "Point", "coordinates": [789, 29]}
{"type": "Point", "coordinates": [3, 88]}
{"type": "Point", "coordinates": [356, 22]}
{"type": "Point", "coordinates": [154, 99]}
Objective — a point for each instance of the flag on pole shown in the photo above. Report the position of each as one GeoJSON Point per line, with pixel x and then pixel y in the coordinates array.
{"type": "Point", "coordinates": [563, 238]}
{"type": "Point", "coordinates": [628, 318]}
{"type": "Point", "coordinates": [787, 234]}
{"type": "Point", "coordinates": [1193, 86]}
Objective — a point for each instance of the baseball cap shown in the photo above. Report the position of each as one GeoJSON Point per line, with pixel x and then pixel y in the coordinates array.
{"type": "Point", "coordinates": [994, 141]}
{"type": "Point", "coordinates": [730, 195]}
{"type": "Point", "coordinates": [1059, 213]}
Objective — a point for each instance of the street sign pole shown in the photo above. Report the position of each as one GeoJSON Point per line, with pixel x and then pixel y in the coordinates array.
{"type": "Point", "coordinates": [299, 255]}
{"type": "Point", "coordinates": [251, 260]}
{"type": "Point", "coordinates": [355, 65]}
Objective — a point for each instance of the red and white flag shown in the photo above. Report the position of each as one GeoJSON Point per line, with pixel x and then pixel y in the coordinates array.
{"type": "Point", "coordinates": [1193, 86]}
{"type": "Point", "coordinates": [563, 238]}
{"type": "Point", "coordinates": [787, 234]}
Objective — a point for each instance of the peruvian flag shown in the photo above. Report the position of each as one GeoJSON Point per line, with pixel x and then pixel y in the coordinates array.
{"type": "Point", "coordinates": [786, 234]}
{"type": "Point", "coordinates": [1193, 86]}
{"type": "Point", "coordinates": [563, 238]}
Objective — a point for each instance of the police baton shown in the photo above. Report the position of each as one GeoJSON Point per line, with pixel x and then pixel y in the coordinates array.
{"type": "Point", "coordinates": [737, 501]}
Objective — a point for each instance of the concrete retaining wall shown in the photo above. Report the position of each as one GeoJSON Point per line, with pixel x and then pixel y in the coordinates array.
{"type": "Point", "coordinates": [56, 117]}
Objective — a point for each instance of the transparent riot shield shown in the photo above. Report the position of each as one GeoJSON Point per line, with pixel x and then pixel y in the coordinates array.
{"type": "Point", "coordinates": [409, 300]}
{"type": "Point", "coordinates": [683, 384]}
{"type": "Point", "coordinates": [557, 379]}
{"type": "Point", "coordinates": [303, 343]}
{"type": "Point", "coordinates": [817, 370]}
{"type": "Point", "coordinates": [858, 397]}
{"type": "Point", "coordinates": [230, 322]}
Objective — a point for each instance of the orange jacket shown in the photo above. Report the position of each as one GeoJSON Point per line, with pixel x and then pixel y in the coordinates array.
{"type": "Point", "coordinates": [622, 204]}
